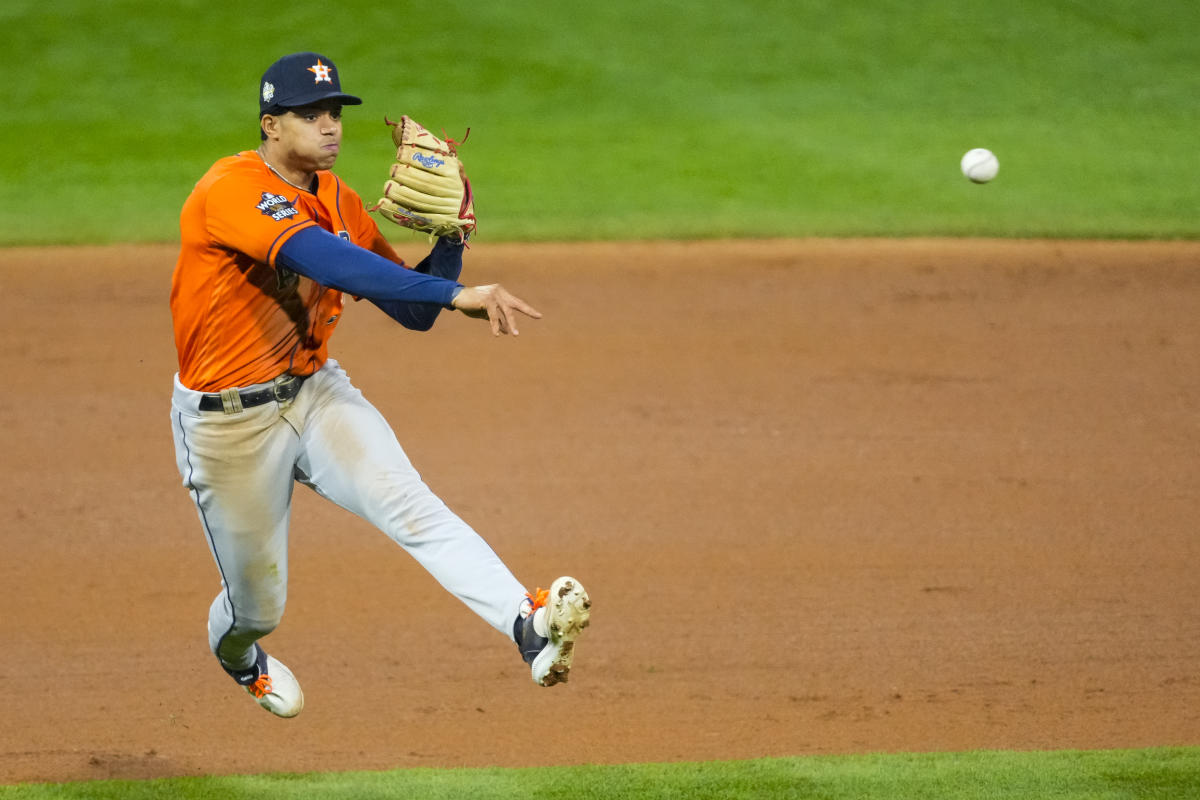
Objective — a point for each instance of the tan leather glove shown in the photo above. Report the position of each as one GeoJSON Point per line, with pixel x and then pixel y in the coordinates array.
{"type": "Point", "coordinates": [427, 189]}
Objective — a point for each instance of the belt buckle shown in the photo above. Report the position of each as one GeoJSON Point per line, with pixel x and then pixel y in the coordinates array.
{"type": "Point", "coordinates": [281, 387]}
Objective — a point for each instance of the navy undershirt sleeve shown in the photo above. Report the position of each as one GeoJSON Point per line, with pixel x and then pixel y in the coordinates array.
{"type": "Point", "coordinates": [444, 261]}
{"type": "Point", "coordinates": [334, 262]}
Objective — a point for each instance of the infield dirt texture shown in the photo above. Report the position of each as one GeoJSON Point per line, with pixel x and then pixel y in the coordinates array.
{"type": "Point", "coordinates": [828, 497]}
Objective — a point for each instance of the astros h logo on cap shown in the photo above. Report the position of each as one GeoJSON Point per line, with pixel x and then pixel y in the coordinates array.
{"type": "Point", "coordinates": [301, 79]}
{"type": "Point", "coordinates": [321, 71]}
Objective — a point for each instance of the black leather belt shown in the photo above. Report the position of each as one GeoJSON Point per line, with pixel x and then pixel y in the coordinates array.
{"type": "Point", "coordinates": [283, 388]}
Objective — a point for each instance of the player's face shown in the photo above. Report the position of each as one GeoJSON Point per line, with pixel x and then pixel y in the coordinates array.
{"type": "Point", "coordinates": [312, 135]}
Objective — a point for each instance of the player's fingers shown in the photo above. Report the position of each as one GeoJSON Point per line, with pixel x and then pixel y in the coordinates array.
{"type": "Point", "coordinates": [518, 304]}
{"type": "Point", "coordinates": [495, 316]}
{"type": "Point", "coordinates": [507, 319]}
{"type": "Point", "coordinates": [499, 306]}
{"type": "Point", "coordinates": [513, 304]}
{"type": "Point", "coordinates": [527, 309]}
{"type": "Point", "coordinates": [503, 311]}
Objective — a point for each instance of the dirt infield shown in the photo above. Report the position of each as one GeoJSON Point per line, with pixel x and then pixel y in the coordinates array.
{"type": "Point", "coordinates": [828, 497]}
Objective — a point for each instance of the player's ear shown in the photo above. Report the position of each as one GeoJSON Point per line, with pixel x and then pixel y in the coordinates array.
{"type": "Point", "coordinates": [269, 123]}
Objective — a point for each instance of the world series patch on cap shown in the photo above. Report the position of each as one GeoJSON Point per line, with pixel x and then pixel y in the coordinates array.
{"type": "Point", "coordinates": [301, 79]}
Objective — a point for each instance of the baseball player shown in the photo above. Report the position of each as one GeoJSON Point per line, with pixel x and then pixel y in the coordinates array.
{"type": "Point", "coordinates": [271, 242]}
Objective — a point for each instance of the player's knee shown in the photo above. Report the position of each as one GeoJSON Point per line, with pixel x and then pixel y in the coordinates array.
{"type": "Point", "coordinates": [414, 512]}
{"type": "Point", "coordinates": [259, 627]}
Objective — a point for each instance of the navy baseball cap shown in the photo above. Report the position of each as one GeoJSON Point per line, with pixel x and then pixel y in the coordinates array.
{"type": "Point", "coordinates": [301, 79]}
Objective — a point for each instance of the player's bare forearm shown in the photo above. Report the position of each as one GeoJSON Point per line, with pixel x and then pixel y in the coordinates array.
{"type": "Point", "coordinates": [495, 304]}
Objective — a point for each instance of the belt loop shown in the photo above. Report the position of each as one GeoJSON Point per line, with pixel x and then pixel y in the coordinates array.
{"type": "Point", "coordinates": [231, 401]}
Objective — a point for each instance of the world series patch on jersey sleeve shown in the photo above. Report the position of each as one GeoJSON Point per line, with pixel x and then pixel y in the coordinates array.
{"type": "Point", "coordinates": [276, 206]}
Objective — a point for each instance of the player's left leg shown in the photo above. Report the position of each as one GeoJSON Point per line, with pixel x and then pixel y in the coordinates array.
{"type": "Point", "coordinates": [238, 470]}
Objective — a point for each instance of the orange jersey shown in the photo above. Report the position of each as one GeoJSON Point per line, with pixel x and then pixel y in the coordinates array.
{"type": "Point", "coordinates": [238, 318]}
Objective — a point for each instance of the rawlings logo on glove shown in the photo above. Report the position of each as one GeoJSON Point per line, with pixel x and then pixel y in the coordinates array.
{"type": "Point", "coordinates": [427, 189]}
{"type": "Point", "coordinates": [428, 162]}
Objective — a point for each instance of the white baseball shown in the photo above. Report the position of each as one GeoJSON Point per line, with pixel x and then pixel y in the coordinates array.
{"type": "Point", "coordinates": [980, 165]}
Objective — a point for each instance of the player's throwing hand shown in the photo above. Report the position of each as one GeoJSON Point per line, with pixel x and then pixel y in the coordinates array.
{"type": "Point", "coordinates": [496, 304]}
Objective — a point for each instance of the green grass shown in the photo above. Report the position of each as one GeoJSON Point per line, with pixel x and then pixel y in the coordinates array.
{"type": "Point", "coordinates": [1064, 775]}
{"type": "Point", "coordinates": [633, 118]}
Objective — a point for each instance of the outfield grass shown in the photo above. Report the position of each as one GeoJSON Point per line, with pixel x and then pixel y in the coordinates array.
{"type": "Point", "coordinates": [1064, 775]}
{"type": "Point", "coordinates": [634, 118]}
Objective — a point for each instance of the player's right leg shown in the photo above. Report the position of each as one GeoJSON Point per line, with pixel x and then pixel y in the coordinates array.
{"type": "Point", "coordinates": [238, 470]}
{"type": "Point", "coordinates": [351, 456]}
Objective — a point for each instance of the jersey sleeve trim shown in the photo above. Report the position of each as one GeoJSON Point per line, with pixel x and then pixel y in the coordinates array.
{"type": "Point", "coordinates": [284, 236]}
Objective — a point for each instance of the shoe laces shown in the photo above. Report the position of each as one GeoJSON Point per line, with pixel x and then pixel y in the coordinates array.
{"type": "Point", "coordinates": [538, 599]}
{"type": "Point", "coordinates": [261, 687]}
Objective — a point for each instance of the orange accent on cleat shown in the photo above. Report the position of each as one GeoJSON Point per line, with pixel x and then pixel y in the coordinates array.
{"type": "Point", "coordinates": [261, 687]}
{"type": "Point", "coordinates": [538, 599]}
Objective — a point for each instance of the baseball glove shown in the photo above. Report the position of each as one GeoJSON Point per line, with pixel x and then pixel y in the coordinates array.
{"type": "Point", "coordinates": [427, 189]}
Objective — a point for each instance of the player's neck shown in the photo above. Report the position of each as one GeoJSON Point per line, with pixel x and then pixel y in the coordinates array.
{"type": "Point", "coordinates": [298, 178]}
